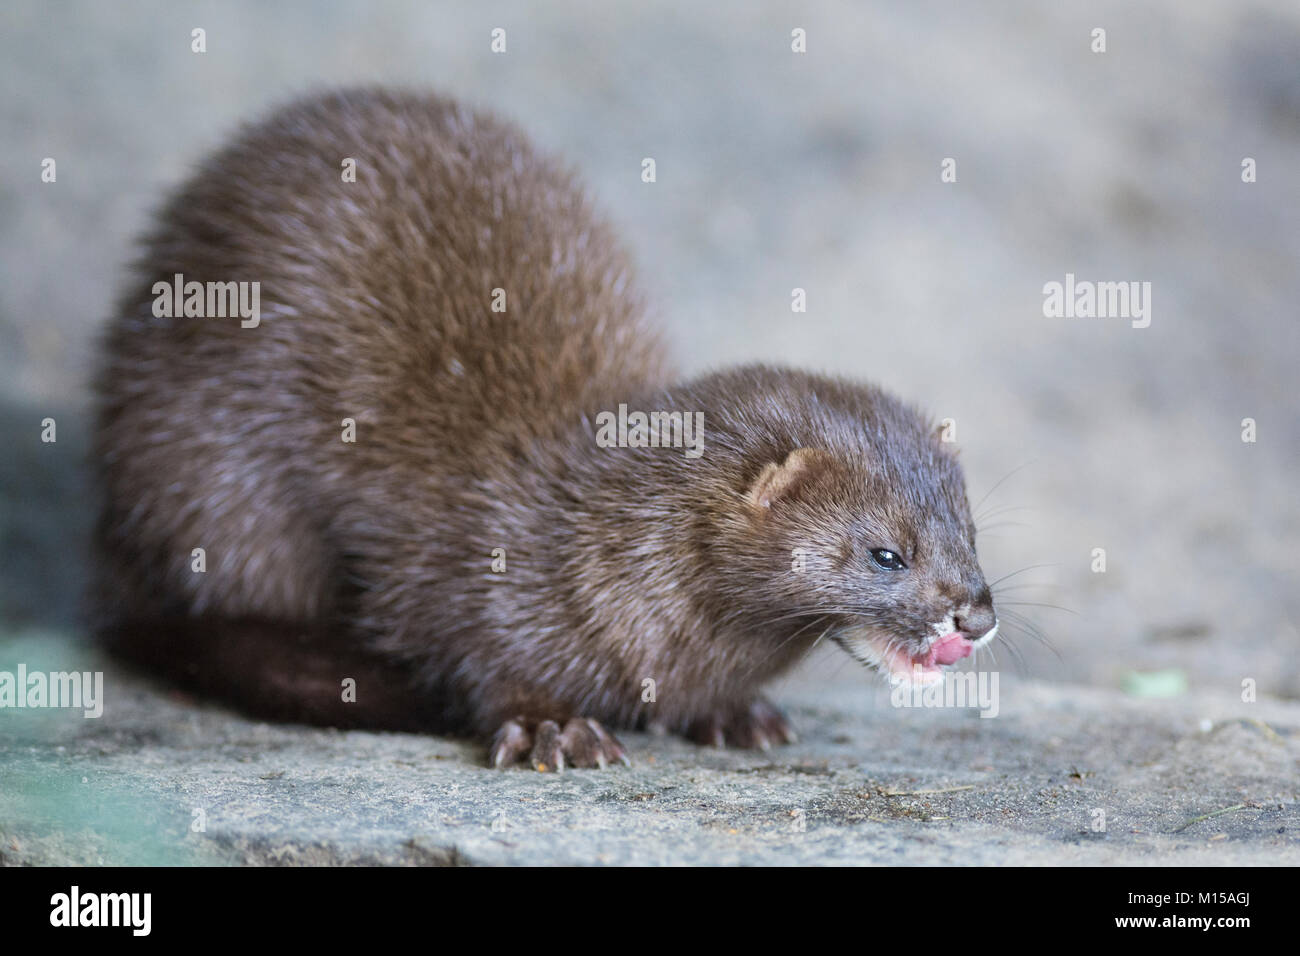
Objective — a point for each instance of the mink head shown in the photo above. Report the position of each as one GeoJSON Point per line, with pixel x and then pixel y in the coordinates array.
{"type": "Point", "coordinates": [852, 521]}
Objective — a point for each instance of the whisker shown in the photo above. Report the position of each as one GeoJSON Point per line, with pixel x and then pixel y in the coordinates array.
{"type": "Point", "coordinates": [1006, 510]}
{"type": "Point", "coordinates": [1026, 623]}
{"type": "Point", "coordinates": [1032, 567]}
{"type": "Point", "coordinates": [1028, 628]}
{"type": "Point", "coordinates": [987, 648]}
{"type": "Point", "coordinates": [1018, 587]}
{"type": "Point", "coordinates": [1018, 658]}
{"type": "Point", "coordinates": [1018, 468]}
{"type": "Point", "coordinates": [1054, 607]}
{"type": "Point", "coordinates": [778, 647]}
{"type": "Point", "coordinates": [985, 529]}
{"type": "Point", "coordinates": [813, 646]}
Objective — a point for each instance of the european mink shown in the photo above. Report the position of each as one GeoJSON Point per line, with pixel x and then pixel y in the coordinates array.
{"type": "Point", "coordinates": [467, 556]}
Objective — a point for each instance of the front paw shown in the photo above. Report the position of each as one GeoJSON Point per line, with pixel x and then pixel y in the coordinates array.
{"type": "Point", "coordinates": [758, 726]}
{"type": "Point", "coordinates": [582, 742]}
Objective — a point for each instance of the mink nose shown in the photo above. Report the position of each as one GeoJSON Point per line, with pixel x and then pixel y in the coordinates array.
{"type": "Point", "coordinates": [977, 622]}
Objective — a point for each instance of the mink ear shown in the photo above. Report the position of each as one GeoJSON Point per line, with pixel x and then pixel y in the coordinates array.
{"type": "Point", "coordinates": [776, 482]}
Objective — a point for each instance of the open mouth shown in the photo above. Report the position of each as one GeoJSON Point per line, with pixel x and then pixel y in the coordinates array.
{"type": "Point", "coordinates": [915, 669]}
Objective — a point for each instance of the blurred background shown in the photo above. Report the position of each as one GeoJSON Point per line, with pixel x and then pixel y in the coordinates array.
{"type": "Point", "coordinates": [779, 170]}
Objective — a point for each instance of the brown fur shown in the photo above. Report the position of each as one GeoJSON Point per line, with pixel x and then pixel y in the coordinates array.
{"type": "Point", "coordinates": [372, 560]}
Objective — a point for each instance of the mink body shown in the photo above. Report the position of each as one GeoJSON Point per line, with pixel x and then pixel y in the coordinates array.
{"type": "Point", "coordinates": [372, 560]}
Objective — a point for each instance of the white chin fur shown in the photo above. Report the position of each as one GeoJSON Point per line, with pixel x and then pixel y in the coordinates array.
{"type": "Point", "coordinates": [992, 633]}
{"type": "Point", "coordinates": [865, 650]}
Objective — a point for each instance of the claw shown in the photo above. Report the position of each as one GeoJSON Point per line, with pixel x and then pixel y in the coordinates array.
{"type": "Point", "coordinates": [510, 743]}
{"type": "Point", "coordinates": [582, 742]}
{"type": "Point", "coordinates": [758, 726]}
{"type": "Point", "coordinates": [548, 747]}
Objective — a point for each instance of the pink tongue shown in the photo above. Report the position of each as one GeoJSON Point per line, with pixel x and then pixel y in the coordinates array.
{"type": "Point", "coordinates": [951, 648]}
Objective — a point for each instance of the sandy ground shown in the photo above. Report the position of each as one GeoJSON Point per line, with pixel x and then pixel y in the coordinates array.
{"type": "Point", "coordinates": [775, 171]}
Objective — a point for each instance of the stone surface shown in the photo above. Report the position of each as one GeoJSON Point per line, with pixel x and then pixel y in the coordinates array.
{"type": "Point", "coordinates": [1172, 782]}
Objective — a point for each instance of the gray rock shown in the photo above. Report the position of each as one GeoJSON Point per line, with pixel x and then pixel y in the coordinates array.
{"type": "Point", "coordinates": [1209, 781]}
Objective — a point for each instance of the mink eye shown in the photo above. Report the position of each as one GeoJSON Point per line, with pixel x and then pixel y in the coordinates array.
{"type": "Point", "coordinates": [887, 560]}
